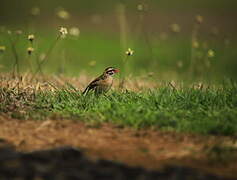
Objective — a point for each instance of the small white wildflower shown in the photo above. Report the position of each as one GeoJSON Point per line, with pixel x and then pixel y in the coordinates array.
{"type": "Point", "coordinates": [140, 7]}
{"type": "Point", "coordinates": [175, 28]}
{"type": "Point", "coordinates": [30, 50]}
{"type": "Point", "coordinates": [195, 44]}
{"type": "Point", "coordinates": [74, 31]}
{"type": "Point", "coordinates": [129, 52]}
{"type": "Point", "coordinates": [31, 37]}
{"type": "Point", "coordinates": [210, 53]}
{"type": "Point", "coordinates": [180, 64]}
{"type": "Point", "coordinates": [2, 49]}
{"type": "Point", "coordinates": [63, 32]}
{"type": "Point", "coordinates": [63, 14]}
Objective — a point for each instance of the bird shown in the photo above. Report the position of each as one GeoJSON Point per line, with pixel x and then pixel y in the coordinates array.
{"type": "Point", "coordinates": [103, 83]}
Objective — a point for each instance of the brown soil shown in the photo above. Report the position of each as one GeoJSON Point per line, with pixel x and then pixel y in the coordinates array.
{"type": "Point", "coordinates": [145, 148]}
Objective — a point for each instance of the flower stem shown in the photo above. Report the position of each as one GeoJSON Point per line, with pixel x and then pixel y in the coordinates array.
{"type": "Point", "coordinates": [40, 64]}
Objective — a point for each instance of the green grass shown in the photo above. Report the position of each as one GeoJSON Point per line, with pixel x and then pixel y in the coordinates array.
{"type": "Point", "coordinates": [206, 111]}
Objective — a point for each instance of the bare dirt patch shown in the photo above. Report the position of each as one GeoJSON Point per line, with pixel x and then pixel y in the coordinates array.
{"type": "Point", "coordinates": [150, 149]}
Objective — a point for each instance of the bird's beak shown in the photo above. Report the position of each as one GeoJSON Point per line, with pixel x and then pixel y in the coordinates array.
{"type": "Point", "coordinates": [116, 70]}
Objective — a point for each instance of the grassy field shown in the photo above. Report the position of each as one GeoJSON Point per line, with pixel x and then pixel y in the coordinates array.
{"type": "Point", "coordinates": [189, 51]}
{"type": "Point", "coordinates": [200, 108]}
{"type": "Point", "coordinates": [174, 100]}
{"type": "Point", "coordinates": [201, 103]}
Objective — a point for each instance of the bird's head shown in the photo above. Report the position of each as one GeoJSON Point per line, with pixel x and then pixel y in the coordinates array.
{"type": "Point", "coordinates": [110, 71]}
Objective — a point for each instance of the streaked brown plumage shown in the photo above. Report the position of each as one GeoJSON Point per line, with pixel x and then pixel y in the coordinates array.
{"type": "Point", "coordinates": [102, 83]}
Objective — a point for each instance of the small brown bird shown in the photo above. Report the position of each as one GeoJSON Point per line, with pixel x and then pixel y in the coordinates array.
{"type": "Point", "coordinates": [103, 83]}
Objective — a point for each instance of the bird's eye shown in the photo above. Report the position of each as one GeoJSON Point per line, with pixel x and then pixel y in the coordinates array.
{"type": "Point", "coordinates": [110, 72]}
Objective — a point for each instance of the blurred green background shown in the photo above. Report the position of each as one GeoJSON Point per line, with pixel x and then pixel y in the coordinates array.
{"type": "Point", "coordinates": [179, 39]}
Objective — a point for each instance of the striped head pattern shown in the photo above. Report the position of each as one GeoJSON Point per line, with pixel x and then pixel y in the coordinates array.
{"type": "Point", "coordinates": [111, 71]}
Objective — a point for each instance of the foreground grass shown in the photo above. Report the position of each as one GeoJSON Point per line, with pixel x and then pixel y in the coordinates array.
{"type": "Point", "coordinates": [205, 111]}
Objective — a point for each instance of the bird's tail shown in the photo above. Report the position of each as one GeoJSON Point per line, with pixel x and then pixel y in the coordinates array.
{"type": "Point", "coordinates": [85, 91]}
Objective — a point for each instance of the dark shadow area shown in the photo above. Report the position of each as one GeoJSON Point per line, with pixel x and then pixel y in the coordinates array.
{"type": "Point", "coordinates": [70, 163]}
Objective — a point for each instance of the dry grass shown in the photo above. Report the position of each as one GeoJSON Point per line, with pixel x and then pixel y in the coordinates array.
{"type": "Point", "coordinates": [51, 82]}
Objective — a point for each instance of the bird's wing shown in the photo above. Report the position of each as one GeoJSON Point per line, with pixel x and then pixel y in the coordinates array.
{"type": "Point", "coordinates": [92, 85]}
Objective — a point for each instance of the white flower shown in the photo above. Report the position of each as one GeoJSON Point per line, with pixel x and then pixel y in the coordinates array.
{"type": "Point", "coordinates": [210, 53]}
{"type": "Point", "coordinates": [63, 14]}
{"type": "Point", "coordinates": [2, 49]}
{"type": "Point", "coordinates": [129, 52]}
{"type": "Point", "coordinates": [140, 7]}
{"type": "Point", "coordinates": [195, 44]}
{"type": "Point", "coordinates": [63, 32]}
{"type": "Point", "coordinates": [30, 50]}
{"type": "Point", "coordinates": [31, 37]}
{"type": "Point", "coordinates": [175, 28]}
{"type": "Point", "coordinates": [74, 31]}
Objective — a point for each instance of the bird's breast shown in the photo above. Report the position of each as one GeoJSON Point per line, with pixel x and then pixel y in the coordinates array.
{"type": "Point", "coordinates": [107, 82]}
